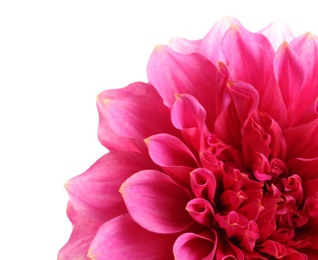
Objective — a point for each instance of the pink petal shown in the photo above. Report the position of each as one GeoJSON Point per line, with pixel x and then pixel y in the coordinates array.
{"type": "Point", "coordinates": [255, 141]}
{"type": "Point", "coordinates": [307, 137]}
{"type": "Point", "coordinates": [289, 73]}
{"type": "Point", "coordinates": [81, 237]}
{"type": "Point", "coordinates": [203, 184]}
{"type": "Point", "coordinates": [273, 249]}
{"type": "Point", "coordinates": [172, 155]}
{"type": "Point", "coordinates": [192, 246]}
{"type": "Point", "coordinates": [305, 168]}
{"type": "Point", "coordinates": [125, 116]}
{"type": "Point", "coordinates": [243, 51]}
{"type": "Point", "coordinates": [183, 73]}
{"type": "Point", "coordinates": [189, 116]}
{"type": "Point", "coordinates": [245, 99]}
{"type": "Point", "coordinates": [306, 47]}
{"type": "Point", "coordinates": [183, 45]}
{"type": "Point", "coordinates": [122, 238]}
{"type": "Point", "coordinates": [277, 33]}
{"type": "Point", "coordinates": [156, 202]}
{"type": "Point", "coordinates": [201, 211]}
{"type": "Point", "coordinates": [95, 192]}
{"type": "Point", "coordinates": [210, 46]}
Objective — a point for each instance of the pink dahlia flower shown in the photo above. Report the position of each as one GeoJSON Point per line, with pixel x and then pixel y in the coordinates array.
{"type": "Point", "coordinates": [215, 158]}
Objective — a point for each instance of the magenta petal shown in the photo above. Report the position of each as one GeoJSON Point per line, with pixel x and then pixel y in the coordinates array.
{"type": "Point", "coordinates": [201, 211]}
{"type": "Point", "coordinates": [189, 116]}
{"type": "Point", "coordinates": [306, 47]}
{"type": "Point", "coordinates": [243, 51]}
{"type": "Point", "coordinates": [95, 192]}
{"type": "Point", "coordinates": [308, 147]}
{"type": "Point", "coordinates": [81, 237]}
{"type": "Point", "coordinates": [203, 184]}
{"type": "Point", "coordinates": [245, 99]}
{"type": "Point", "coordinates": [305, 168]}
{"type": "Point", "coordinates": [156, 202]}
{"type": "Point", "coordinates": [122, 238]}
{"type": "Point", "coordinates": [289, 73]}
{"type": "Point", "coordinates": [125, 116]}
{"type": "Point", "coordinates": [190, 246]}
{"type": "Point", "coordinates": [173, 156]}
{"type": "Point", "coordinates": [174, 73]}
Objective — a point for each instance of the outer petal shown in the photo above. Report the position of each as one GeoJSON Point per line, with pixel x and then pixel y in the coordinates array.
{"type": "Point", "coordinates": [210, 46]}
{"type": "Point", "coordinates": [277, 33]}
{"type": "Point", "coordinates": [190, 246]}
{"type": "Point", "coordinates": [81, 237]}
{"type": "Point", "coordinates": [122, 238]}
{"type": "Point", "coordinates": [243, 51]}
{"type": "Point", "coordinates": [306, 47]}
{"type": "Point", "coordinates": [155, 202]}
{"type": "Point", "coordinates": [125, 116]}
{"type": "Point", "coordinates": [289, 73]}
{"type": "Point", "coordinates": [183, 45]}
{"type": "Point", "coordinates": [174, 73]}
{"type": "Point", "coordinates": [95, 192]}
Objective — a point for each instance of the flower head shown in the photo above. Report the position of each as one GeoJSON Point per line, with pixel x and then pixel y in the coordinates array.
{"type": "Point", "coordinates": [215, 158]}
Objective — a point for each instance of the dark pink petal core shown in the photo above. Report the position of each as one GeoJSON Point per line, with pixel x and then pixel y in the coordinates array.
{"type": "Point", "coordinates": [203, 184]}
{"type": "Point", "coordinates": [201, 211]}
{"type": "Point", "coordinates": [156, 202]}
{"type": "Point", "coordinates": [273, 249]}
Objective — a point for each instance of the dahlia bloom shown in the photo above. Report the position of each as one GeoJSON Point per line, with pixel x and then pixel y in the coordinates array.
{"type": "Point", "coordinates": [215, 158]}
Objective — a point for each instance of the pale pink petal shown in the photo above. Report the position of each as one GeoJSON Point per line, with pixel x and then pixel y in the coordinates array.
{"type": "Point", "coordinates": [183, 45]}
{"type": "Point", "coordinates": [156, 202]}
{"type": "Point", "coordinates": [125, 116]}
{"type": "Point", "coordinates": [189, 116]}
{"type": "Point", "coordinates": [210, 46]}
{"type": "Point", "coordinates": [190, 246]}
{"type": "Point", "coordinates": [81, 237]}
{"type": "Point", "coordinates": [95, 192]}
{"type": "Point", "coordinates": [277, 33]}
{"type": "Point", "coordinates": [122, 238]}
{"type": "Point", "coordinates": [172, 155]}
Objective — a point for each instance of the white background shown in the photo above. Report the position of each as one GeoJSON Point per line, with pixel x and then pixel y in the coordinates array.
{"type": "Point", "coordinates": [55, 57]}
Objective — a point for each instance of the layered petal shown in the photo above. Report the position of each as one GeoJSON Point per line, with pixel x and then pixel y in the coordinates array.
{"type": "Point", "coordinates": [121, 237]}
{"type": "Point", "coordinates": [189, 117]}
{"type": "Point", "coordinates": [156, 202]}
{"type": "Point", "coordinates": [172, 155]}
{"type": "Point", "coordinates": [289, 73]}
{"type": "Point", "coordinates": [80, 240]}
{"type": "Point", "coordinates": [125, 116]}
{"type": "Point", "coordinates": [183, 73]}
{"type": "Point", "coordinates": [195, 246]}
{"type": "Point", "coordinates": [95, 192]}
